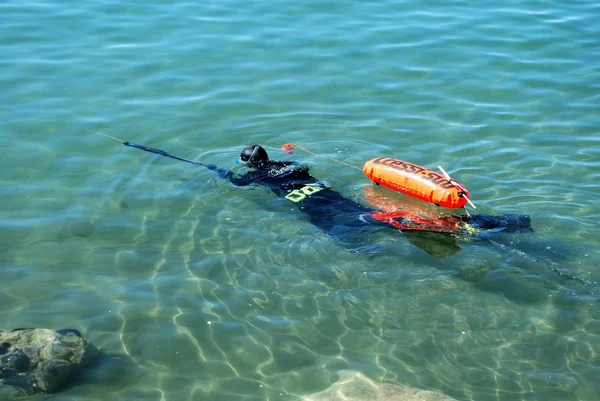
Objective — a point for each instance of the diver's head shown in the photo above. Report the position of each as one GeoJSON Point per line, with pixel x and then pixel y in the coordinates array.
{"type": "Point", "coordinates": [255, 156]}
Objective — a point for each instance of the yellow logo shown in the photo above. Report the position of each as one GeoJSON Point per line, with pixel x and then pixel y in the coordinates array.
{"type": "Point", "coordinates": [298, 195]}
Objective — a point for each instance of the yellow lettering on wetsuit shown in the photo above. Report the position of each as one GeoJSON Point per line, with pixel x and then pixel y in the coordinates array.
{"type": "Point", "coordinates": [298, 195]}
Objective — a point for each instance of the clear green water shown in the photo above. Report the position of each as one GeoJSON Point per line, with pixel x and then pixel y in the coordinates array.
{"type": "Point", "coordinates": [198, 290]}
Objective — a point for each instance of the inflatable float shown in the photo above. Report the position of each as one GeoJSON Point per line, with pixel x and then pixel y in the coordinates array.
{"type": "Point", "coordinates": [410, 179]}
{"type": "Point", "coordinates": [417, 182]}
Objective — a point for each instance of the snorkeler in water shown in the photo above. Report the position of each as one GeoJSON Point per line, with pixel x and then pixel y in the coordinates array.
{"type": "Point", "coordinates": [348, 221]}
{"type": "Point", "coordinates": [342, 218]}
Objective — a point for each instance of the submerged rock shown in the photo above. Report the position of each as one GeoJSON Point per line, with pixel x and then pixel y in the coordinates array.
{"type": "Point", "coordinates": [81, 229]}
{"type": "Point", "coordinates": [40, 360]}
{"type": "Point", "coordinates": [354, 386]}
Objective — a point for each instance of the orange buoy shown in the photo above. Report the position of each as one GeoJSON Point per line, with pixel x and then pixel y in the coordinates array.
{"type": "Point", "coordinates": [416, 181]}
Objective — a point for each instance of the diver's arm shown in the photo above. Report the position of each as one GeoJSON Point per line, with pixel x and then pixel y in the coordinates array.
{"type": "Point", "coordinates": [235, 179]}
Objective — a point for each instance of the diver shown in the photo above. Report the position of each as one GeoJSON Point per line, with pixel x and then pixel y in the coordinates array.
{"type": "Point", "coordinates": [344, 219]}
{"type": "Point", "coordinates": [347, 221]}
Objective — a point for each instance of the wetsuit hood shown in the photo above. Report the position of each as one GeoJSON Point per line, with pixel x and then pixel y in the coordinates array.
{"type": "Point", "coordinates": [255, 156]}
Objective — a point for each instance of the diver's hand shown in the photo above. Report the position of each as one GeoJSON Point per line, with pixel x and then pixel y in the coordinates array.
{"type": "Point", "coordinates": [220, 171]}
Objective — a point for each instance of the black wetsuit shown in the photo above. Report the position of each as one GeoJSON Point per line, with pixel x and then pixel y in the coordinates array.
{"type": "Point", "coordinates": [327, 209]}
{"type": "Point", "coordinates": [346, 220]}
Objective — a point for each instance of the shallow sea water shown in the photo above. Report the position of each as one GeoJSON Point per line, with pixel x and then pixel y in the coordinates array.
{"type": "Point", "coordinates": [199, 290]}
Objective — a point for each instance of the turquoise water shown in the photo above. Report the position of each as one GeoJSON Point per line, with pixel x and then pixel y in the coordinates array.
{"type": "Point", "coordinates": [199, 290]}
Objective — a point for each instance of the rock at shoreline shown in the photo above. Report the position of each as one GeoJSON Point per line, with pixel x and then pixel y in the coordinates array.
{"type": "Point", "coordinates": [354, 386]}
{"type": "Point", "coordinates": [40, 360]}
